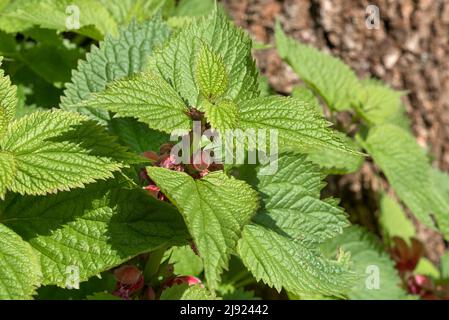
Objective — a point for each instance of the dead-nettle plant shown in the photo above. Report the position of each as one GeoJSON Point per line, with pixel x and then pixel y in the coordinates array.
{"type": "Point", "coordinates": [168, 166]}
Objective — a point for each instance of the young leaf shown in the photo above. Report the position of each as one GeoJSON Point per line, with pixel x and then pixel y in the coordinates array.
{"type": "Point", "coordinates": [281, 247]}
{"type": "Point", "coordinates": [93, 229]}
{"type": "Point", "coordinates": [176, 61]}
{"type": "Point", "coordinates": [215, 209]}
{"type": "Point", "coordinates": [211, 74]}
{"type": "Point", "coordinates": [300, 127]}
{"type": "Point", "coordinates": [223, 115]}
{"type": "Point", "coordinates": [147, 97]}
{"type": "Point", "coordinates": [114, 59]}
{"type": "Point", "coordinates": [333, 80]}
{"type": "Point", "coordinates": [377, 276]}
{"type": "Point", "coordinates": [404, 163]}
{"type": "Point", "coordinates": [20, 273]}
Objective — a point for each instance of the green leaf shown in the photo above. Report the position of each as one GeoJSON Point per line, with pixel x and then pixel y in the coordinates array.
{"type": "Point", "coordinates": [94, 19]}
{"type": "Point", "coordinates": [300, 127]}
{"type": "Point", "coordinates": [194, 7]}
{"type": "Point", "coordinates": [49, 56]}
{"type": "Point", "coordinates": [116, 58]}
{"type": "Point", "coordinates": [184, 292]}
{"type": "Point", "coordinates": [185, 261]}
{"type": "Point", "coordinates": [125, 11]}
{"type": "Point", "coordinates": [223, 115]}
{"type": "Point", "coordinates": [378, 103]}
{"type": "Point", "coordinates": [147, 97]}
{"type": "Point", "coordinates": [215, 209]}
{"type": "Point", "coordinates": [20, 273]}
{"type": "Point", "coordinates": [336, 161]}
{"type": "Point", "coordinates": [8, 101]}
{"type": "Point", "coordinates": [41, 164]}
{"type": "Point", "coordinates": [333, 80]}
{"type": "Point", "coordinates": [137, 136]}
{"type": "Point", "coordinates": [282, 262]}
{"type": "Point", "coordinates": [404, 163]}
{"type": "Point", "coordinates": [211, 74]}
{"type": "Point", "coordinates": [177, 60]}
{"type": "Point", "coordinates": [370, 263]}
{"type": "Point", "coordinates": [394, 221]}
{"type": "Point", "coordinates": [92, 229]}
{"type": "Point", "coordinates": [105, 282]}
{"type": "Point", "coordinates": [282, 246]}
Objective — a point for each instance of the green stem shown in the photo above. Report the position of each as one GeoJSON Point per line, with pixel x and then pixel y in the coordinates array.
{"type": "Point", "coordinates": [153, 263]}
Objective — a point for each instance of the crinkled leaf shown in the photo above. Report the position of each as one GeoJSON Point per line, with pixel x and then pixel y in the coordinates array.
{"type": "Point", "coordinates": [137, 136]}
{"type": "Point", "coordinates": [281, 247]}
{"type": "Point", "coordinates": [211, 74]}
{"type": "Point", "coordinates": [177, 60]}
{"type": "Point", "coordinates": [184, 292]}
{"type": "Point", "coordinates": [300, 127]}
{"type": "Point", "coordinates": [215, 209]}
{"type": "Point", "coordinates": [20, 273]}
{"type": "Point", "coordinates": [116, 58]}
{"type": "Point", "coordinates": [282, 262]}
{"type": "Point", "coordinates": [223, 115]}
{"type": "Point", "coordinates": [44, 165]}
{"type": "Point", "coordinates": [147, 97]}
{"type": "Point", "coordinates": [93, 229]}
{"type": "Point", "coordinates": [8, 101]}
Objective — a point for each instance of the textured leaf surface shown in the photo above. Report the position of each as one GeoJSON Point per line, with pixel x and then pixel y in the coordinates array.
{"type": "Point", "coordinates": [8, 101]}
{"type": "Point", "coordinates": [147, 97]}
{"type": "Point", "coordinates": [40, 164]}
{"type": "Point", "coordinates": [300, 127]}
{"type": "Point", "coordinates": [333, 80]}
{"type": "Point", "coordinates": [336, 161]}
{"type": "Point", "coordinates": [115, 58]}
{"type": "Point", "coordinates": [211, 74]}
{"type": "Point", "coordinates": [93, 229]}
{"type": "Point", "coordinates": [137, 136]}
{"type": "Point", "coordinates": [223, 115]}
{"type": "Point", "coordinates": [19, 267]}
{"type": "Point", "coordinates": [367, 255]}
{"type": "Point", "coordinates": [177, 60]}
{"type": "Point", "coordinates": [404, 163]}
{"type": "Point", "coordinates": [281, 247]}
{"type": "Point", "coordinates": [282, 262]}
{"type": "Point", "coordinates": [215, 209]}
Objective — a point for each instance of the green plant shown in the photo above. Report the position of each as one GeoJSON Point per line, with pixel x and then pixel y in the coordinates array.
{"type": "Point", "coordinates": [93, 188]}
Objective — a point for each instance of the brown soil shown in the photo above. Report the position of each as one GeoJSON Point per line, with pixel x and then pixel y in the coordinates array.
{"type": "Point", "coordinates": [409, 50]}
